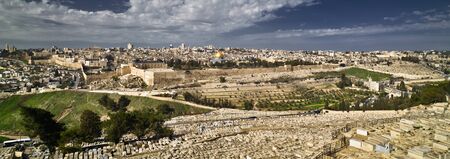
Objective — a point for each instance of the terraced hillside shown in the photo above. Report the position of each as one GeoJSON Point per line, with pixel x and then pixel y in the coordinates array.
{"type": "Point", "coordinates": [68, 105]}
{"type": "Point", "coordinates": [279, 96]}
{"type": "Point", "coordinates": [365, 74]}
{"type": "Point", "coordinates": [354, 72]}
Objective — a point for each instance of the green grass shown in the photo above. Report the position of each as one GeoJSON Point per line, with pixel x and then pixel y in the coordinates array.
{"type": "Point", "coordinates": [68, 105]}
{"type": "Point", "coordinates": [314, 106]}
{"type": "Point", "coordinates": [330, 74]}
{"type": "Point", "coordinates": [3, 139]}
{"type": "Point", "coordinates": [365, 74]}
{"type": "Point", "coordinates": [355, 72]}
{"type": "Point", "coordinates": [293, 106]}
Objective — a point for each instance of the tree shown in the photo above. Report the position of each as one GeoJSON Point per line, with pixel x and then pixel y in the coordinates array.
{"type": "Point", "coordinates": [146, 121]}
{"type": "Point", "coordinates": [162, 131]}
{"type": "Point", "coordinates": [345, 82]}
{"type": "Point", "coordinates": [123, 103]}
{"type": "Point", "coordinates": [222, 79]}
{"type": "Point", "coordinates": [344, 106]}
{"type": "Point", "coordinates": [118, 125]}
{"type": "Point", "coordinates": [326, 104]}
{"type": "Point", "coordinates": [411, 59]}
{"type": "Point", "coordinates": [359, 83]}
{"type": "Point", "coordinates": [188, 96]}
{"type": "Point", "coordinates": [110, 104]}
{"type": "Point", "coordinates": [391, 80]}
{"type": "Point", "coordinates": [72, 136]}
{"type": "Point", "coordinates": [139, 123]}
{"type": "Point", "coordinates": [431, 94]}
{"type": "Point", "coordinates": [142, 124]}
{"type": "Point", "coordinates": [248, 105]}
{"type": "Point", "coordinates": [107, 102]}
{"type": "Point", "coordinates": [402, 86]}
{"type": "Point", "coordinates": [357, 105]}
{"type": "Point", "coordinates": [39, 122]}
{"type": "Point", "coordinates": [166, 109]}
{"type": "Point", "coordinates": [90, 125]}
{"type": "Point", "coordinates": [364, 108]}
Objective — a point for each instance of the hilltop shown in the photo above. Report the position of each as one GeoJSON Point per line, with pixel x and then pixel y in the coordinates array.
{"type": "Point", "coordinates": [68, 105]}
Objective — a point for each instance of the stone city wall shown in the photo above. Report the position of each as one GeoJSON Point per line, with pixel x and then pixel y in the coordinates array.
{"type": "Point", "coordinates": [40, 62]}
{"type": "Point", "coordinates": [158, 77]}
{"type": "Point", "coordinates": [146, 75]}
{"type": "Point", "coordinates": [150, 65]}
{"type": "Point", "coordinates": [65, 62]}
{"type": "Point", "coordinates": [215, 73]}
{"type": "Point", "coordinates": [168, 78]}
{"type": "Point", "coordinates": [315, 67]}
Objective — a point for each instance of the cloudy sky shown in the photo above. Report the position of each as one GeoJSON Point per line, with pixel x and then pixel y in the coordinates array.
{"type": "Point", "coordinates": [278, 24]}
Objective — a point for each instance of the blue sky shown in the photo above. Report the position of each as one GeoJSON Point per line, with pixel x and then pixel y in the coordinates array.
{"type": "Point", "coordinates": [278, 24]}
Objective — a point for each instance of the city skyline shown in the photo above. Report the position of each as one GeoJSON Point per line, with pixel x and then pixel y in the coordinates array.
{"type": "Point", "coordinates": [287, 24]}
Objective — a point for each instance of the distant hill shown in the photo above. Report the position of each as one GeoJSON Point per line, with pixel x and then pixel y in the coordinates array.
{"type": "Point", "coordinates": [68, 105]}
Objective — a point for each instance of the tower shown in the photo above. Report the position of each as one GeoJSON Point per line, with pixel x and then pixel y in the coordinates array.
{"type": "Point", "coordinates": [129, 46]}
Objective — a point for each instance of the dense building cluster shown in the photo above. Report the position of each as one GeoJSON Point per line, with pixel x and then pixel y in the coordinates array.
{"type": "Point", "coordinates": [17, 76]}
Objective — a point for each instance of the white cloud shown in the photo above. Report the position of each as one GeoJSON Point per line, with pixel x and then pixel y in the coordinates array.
{"type": "Point", "coordinates": [418, 12]}
{"type": "Point", "coordinates": [359, 30]}
{"type": "Point", "coordinates": [145, 21]}
{"type": "Point", "coordinates": [422, 16]}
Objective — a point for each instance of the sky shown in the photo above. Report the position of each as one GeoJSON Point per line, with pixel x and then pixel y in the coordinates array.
{"type": "Point", "coordinates": [275, 24]}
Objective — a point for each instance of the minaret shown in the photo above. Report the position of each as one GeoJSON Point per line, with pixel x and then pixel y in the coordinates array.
{"type": "Point", "coordinates": [130, 46]}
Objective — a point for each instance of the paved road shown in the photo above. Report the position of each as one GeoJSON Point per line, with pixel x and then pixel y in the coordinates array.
{"type": "Point", "coordinates": [424, 80]}
{"type": "Point", "coordinates": [77, 81]}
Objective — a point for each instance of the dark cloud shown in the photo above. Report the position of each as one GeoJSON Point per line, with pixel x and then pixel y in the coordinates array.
{"type": "Point", "coordinates": [292, 24]}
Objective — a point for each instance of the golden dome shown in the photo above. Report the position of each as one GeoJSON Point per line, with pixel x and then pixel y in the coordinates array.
{"type": "Point", "coordinates": [219, 55]}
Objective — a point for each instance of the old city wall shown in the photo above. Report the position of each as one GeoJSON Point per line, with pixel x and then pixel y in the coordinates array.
{"type": "Point", "coordinates": [162, 79]}
{"type": "Point", "coordinates": [40, 62]}
{"type": "Point", "coordinates": [63, 62]}
{"type": "Point", "coordinates": [215, 73]}
{"type": "Point", "coordinates": [147, 76]}
{"type": "Point", "coordinates": [315, 67]}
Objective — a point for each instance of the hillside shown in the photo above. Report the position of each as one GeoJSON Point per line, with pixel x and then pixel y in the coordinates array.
{"type": "Point", "coordinates": [355, 72]}
{"type": "Point", "coordinates": [68, 105]}
{"type": "Point", "coordinates": [365, 74]}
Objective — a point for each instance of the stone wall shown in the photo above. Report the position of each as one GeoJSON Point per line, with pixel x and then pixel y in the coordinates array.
{"type": "Point", "coordinates": [168, 78]}
{"type": "Point", "coordinates": [315, 67]}
{"type": "Point", "coordinates": [125, 69]}
{"type": "Point", "coordinates": [146, 75]}
{"type": "Point", "coordinates": [40, 62]}
{"type": "Point", "coordinates": [215, 73]}
{"type": "Point", "coordinates": [150, 65]}
{"type": "Point", "coordinates": [65, 62]}
{"type": "Point", "coordinates": [158, 77]}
